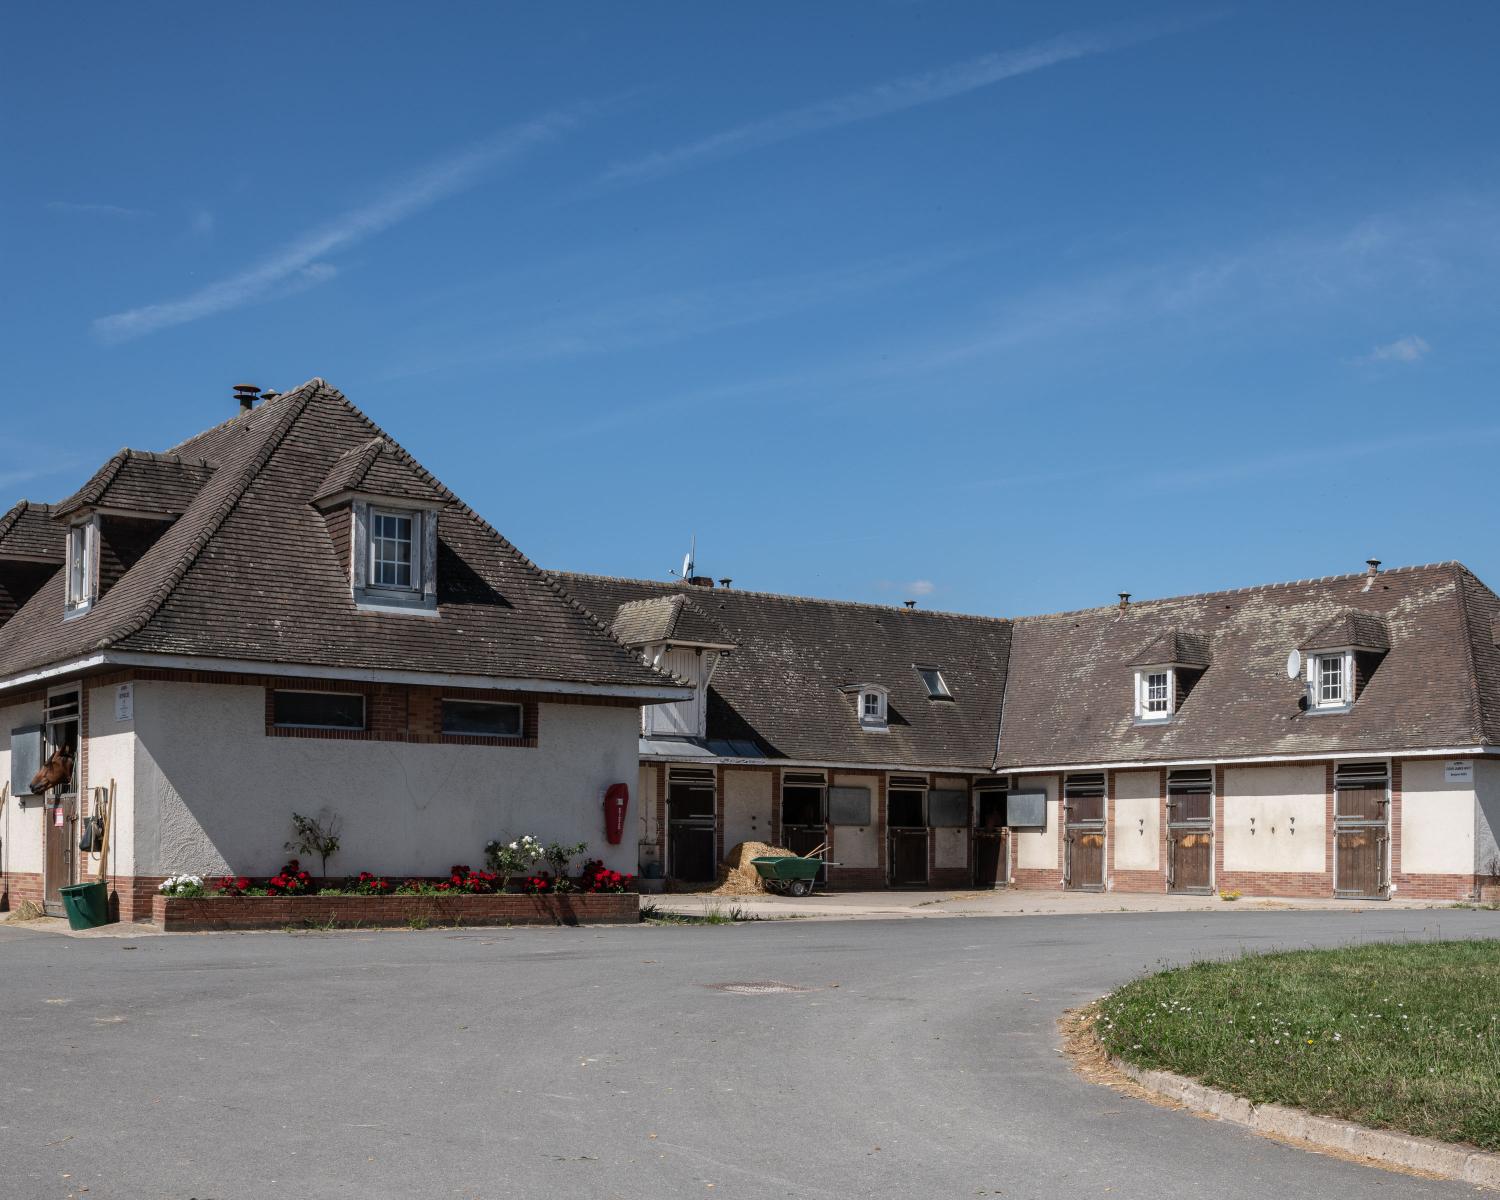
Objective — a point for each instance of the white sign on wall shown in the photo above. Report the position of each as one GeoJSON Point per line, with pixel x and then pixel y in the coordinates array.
{"type": "Point", "coordinates": [1458, 770]}
{"type": "Point", "coordinates": [124, 702]}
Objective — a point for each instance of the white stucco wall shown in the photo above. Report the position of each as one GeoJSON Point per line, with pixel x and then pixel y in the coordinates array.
{"type": "Point", "coordinates": [20, 818]}
{"type": "Point", "coordinates": [1037, 849]}
{"type": "Point", "coordinates": [215, 794]}
{"type": "Point", "coordinates": [112, 756]}
{"type": "Point", "coordinates": [1273, 796]}
{"type": "Point", "coordinates": [747, 806]}
{"type": "Point", "coordinates": [858, 845]}
{"type": "Point", "coordinates": [1487, 816]}
{"type": "Point", "coordinates": [1137, 820]}
{"type": "Point", "coordinates": [1437, 820]}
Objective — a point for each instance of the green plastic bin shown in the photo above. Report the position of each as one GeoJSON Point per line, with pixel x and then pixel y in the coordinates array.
{"type": "Point", "coordinates": [87, 904]}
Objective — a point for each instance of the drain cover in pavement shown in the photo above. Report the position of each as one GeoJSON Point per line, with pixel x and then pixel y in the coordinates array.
{"type": "Point", "coordinates": [764, 987]}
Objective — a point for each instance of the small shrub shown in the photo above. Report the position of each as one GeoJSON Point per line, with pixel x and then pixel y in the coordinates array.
{"type": "Point", "coordinates": [182, 886]}
{"type": "Point", "coordinates": [418, 922]}
{"type": "Point", "coordinates": [313, 836]}
{"type": "Point", "coordinates": [372, 885]}
{"type": "Point", "coordinates": [507, 859]}
{"type": "Point", "coordinates": [539, 884]}
{"type": "Point", "coordinates": [417, 887]}
{"type": "Point", "coordinates": [462, 879]}
{"type": "Point", "coordinates": [232, 885]}
{"type": "Point", "coordinates": [291, 880]}
{"type": "Point", "coordinates": [599, 878]}
{"type": "Point", "coordinates": [1228, 895]}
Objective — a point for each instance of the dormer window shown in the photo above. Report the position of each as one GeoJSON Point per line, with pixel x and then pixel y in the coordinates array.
{"type": "Point", "coordinates": [872, 705]}
{"type": "Point", "coordinates": [937, 686]}
{"type": "Point", "coordinates": [395, 557]}
{"type": "Point", "coordinates": [1154, 694]}
{"type": "Point", "coordinates": [82, 567]}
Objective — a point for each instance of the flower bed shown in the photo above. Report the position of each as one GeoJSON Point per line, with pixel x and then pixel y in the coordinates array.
{"type": "Point", "coordinates": [176, 914]}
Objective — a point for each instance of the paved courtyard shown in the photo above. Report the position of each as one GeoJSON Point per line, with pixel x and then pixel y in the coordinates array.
{"type": "Point", "coordinates": [920, 1061]}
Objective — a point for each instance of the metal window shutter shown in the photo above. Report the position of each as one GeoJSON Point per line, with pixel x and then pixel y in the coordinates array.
{"type": "Point", "coordinates": [1026, 810]}
{"type": "Point", "coordinates": [849, 806]}
{"type": "Point", "coordinates": [25, 758]}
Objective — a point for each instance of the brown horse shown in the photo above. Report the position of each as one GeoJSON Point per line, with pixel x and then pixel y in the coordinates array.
{"type": "Point", "coordinates": [56, 771]}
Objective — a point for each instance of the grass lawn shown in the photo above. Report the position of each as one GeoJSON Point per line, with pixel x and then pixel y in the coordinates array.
{"type": "Point", "coordinates": [1396, 1036]}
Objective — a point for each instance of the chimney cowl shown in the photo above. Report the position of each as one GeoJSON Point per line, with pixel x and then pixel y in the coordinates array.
{"type": "Point", "coordinates": [909, 604]}
{"type": "Point", "coordinates": [1124, 599]}
{"type": "Point", "coordinates": [246, 394]}
{"type": "Point", "coordinates": [1372, 566]}
{"type": "Point", "coordinates": [724, 583]}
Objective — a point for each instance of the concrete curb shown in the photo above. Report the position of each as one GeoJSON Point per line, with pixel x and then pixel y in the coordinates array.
{"type": "Point", "coordinates": [1427, 1155]}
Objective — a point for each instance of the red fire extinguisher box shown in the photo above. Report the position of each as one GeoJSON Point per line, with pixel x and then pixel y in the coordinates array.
{"type": "Point", "coordinates": [616, 801]}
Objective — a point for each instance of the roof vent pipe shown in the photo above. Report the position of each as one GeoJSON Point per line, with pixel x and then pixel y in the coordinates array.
{"type": "Point", "coordinates": [909, 603]}
{"type": "Point", "coordinates": [1124, 599]}
{"type": "Point", "coordinates": [1372, 566]}
{"type": "Point", "coordinates": [246, 394]}
{"type": "Point", "coordinates": [724, 583]}
{"type": "Point", "coordinates": [268, 395]}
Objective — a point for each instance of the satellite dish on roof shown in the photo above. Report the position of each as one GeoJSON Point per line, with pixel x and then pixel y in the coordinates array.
{"type": "Point", "coordinates": [1293, 664]}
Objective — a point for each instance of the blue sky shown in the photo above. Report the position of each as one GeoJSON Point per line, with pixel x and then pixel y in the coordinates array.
{"type": "Point", "coordinates": [1006, 308]}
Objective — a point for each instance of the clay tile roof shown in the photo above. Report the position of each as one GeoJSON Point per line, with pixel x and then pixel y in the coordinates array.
{"type": "Point", "coordinates": [251, 571]}
{"type": "Point", "coordinates": [668, 619]}
{"type": "Point", "coordinates": [1350, 630]}
{"type": "Point", "coordinates": [1175, 647]}
{"type": "Point", "coordinates": [28, 532]}
{"type": "Point", "coordinates": [780, 689]}
{"type": "Point", "coordinates": [374, 467]}
{"type": "Point", "coordinates": [142, 482]}
{"type": "Point", "coordinates": [1068, 700]}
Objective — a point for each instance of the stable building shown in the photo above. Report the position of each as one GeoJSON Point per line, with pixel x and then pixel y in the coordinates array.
{"type": "Point", "coordinates": [1332, 737]}
{"type": "Point", "coordinates": [288, 613]}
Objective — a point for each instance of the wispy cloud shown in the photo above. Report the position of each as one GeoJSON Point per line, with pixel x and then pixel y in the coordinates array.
{"type": "Point", "coordinates": [1407, 349]}
{"type": "Point", "coordinates": [95, 210]}
{"type": "Point", "coordinates": [301, 262]}
{"type": "Point", "coordinates": [893, 96]}
{"type": "Point", "coordinates": [921, 587]}
{"type": "Point", "coordinates": [626, 322]}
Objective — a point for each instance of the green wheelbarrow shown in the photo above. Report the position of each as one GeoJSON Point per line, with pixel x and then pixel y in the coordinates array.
{"type": "Point", "coordinates": [789, 875]}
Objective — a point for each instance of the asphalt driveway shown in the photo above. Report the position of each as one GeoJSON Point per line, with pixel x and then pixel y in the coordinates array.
{"type": "Point", "coordinates": [920, 1061]}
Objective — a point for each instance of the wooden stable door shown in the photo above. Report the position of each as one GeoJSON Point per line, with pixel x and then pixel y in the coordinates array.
{"type": "Point", "coordinates": [1083, 839]}
{"type": "Point", "coordinates": [1190, 842]}
{"type": "Point", "coordinates": [989, 858]}
{"type": "Point", "coordinates": [1360, 840]}
{"type": "Point", "coordinates": [57, 855]}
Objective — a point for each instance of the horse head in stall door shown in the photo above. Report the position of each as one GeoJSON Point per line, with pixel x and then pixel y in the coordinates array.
{"type": "Point", "coordinates": [56, 771]}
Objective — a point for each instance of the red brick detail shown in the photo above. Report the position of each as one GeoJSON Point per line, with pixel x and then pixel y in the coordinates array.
{"type": "Point", "coordinates": [17, 887]}
{"type": "Point", "coordinates": [279, 912]}
{"type": "Point", "coordinates": [403, 713]}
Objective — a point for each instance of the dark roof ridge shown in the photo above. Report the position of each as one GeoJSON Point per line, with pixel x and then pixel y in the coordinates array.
{"type": "Point", "coordinates": [11, 515]}
{"type": "Point", "coordinates": [1162, 601]}
{"type": "Point", "coordinates": [691, 592]}
{"type": "Point", "coordinates": [99, 482]}
{"type": "Point", "coordinates": [442, 489]}
{"type": "Point", "coordinates": [273, 438]}
{"type": "Point", "coordinates": [1463, 577]}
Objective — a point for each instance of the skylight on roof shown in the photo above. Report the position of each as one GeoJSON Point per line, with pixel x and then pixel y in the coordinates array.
{"type": "Point", "coordinates": [937, 686]}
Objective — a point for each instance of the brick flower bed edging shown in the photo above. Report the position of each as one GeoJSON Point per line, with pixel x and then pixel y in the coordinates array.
{"type": "Point", "coordinates": [174, 914]}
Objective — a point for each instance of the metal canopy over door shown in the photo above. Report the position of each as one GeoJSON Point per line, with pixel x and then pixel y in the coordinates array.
{"type": "Point", "coordinates": [61, 807]}
{"type": "Point", "coordinates": [1361, 830]}
{"type": "Point", "coordinates": [906, 830]}
{"type": "Point", "coordinates": [1083, 833]}
{"type": "Point", "coordinates": [804, 814]}
{"type": "Point", "coordinates": [990, 860]}
{"type": "Point", "coordinates": [1190, 831]}
{"type": "Point", "coordinates": [690, 825]}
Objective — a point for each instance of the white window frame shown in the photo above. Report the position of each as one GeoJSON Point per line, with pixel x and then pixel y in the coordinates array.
{"type": "Point", "coordinates": [878, 719]}
{"type": "Point", "coordinates": [1315, 664]}
{"type": "Point", "coordinates": [82, 568]}
{"type": "Point", "coordinates": [501, 737]}
{"type": "Point", "coordinates": [1143, 698]}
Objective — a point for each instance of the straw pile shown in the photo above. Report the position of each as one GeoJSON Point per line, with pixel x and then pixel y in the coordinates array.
{"type": "Point", "coordinates": [737, 875]}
